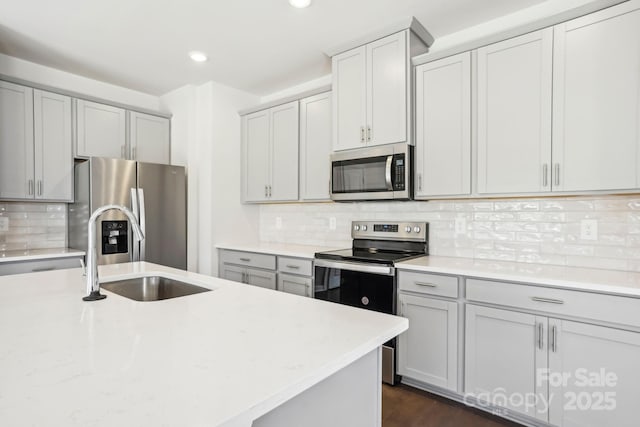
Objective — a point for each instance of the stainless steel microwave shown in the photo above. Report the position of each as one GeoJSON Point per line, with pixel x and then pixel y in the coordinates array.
{"type": "Point", "coordinates": [376, 173]}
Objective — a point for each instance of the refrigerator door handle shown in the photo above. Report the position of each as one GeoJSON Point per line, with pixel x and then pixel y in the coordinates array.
{"type": "Point", "coordinates": [143, 226]}
{"type": "Point", "coordinates": [134, 207]}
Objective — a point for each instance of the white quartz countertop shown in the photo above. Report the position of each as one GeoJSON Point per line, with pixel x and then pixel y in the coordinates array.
{"type": "Point", "coordinates": [583, 279]}
{"type": "Point", "coordinates": [220, 358]}
{"type": "Point", "coordinates": [282, 249]}
{"type": "Point", "coordinates": [38, 254]}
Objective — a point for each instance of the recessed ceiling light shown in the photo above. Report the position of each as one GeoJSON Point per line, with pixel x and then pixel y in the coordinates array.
{"type": "Point", "coordinates": [198, 56]}
{"type": "Point", "coordinates": [299, 3]}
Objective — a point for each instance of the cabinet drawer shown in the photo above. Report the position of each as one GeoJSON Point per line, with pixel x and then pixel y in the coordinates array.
{"type": "Point", "coordinates": [250, 259]}
{"type": "Point", "coordinates": [20, 267]}
{"type": "Point", "coordinates": [562, 302]}
{"type": "Point", "coordinates": [295, 266]}
{"type": "Point", "coordinates": [425, 283]}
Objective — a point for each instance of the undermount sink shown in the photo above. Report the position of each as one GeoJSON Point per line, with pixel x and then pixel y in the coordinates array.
{"type": "Point", "coordinates": [152, 288]}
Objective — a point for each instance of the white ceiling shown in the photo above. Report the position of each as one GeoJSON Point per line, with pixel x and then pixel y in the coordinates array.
{"type": "Point", "coordinates": [259, 46]}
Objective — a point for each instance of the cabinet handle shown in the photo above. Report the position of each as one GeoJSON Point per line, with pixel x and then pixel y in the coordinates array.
{"type": "Point", "coordinates": [547, 300]}
{"type": "Point", "coordinates": [545, 171]}
{"type": "Point", "coordinates": [369, 133]}
{"type": "Point", "coordinates": [427, 285]}
{"type": "Point", "coordinates": [269, 191]}
{"type": "Point", "coordinates": [361, 133]}
{"type": "Point", "coordinates": [294, 267]}
{"type": "Point", "coordinates": [420, 182]}
{"type": "Point", "coordinates": [122, 153]}
{"type": "Point", "coordinates": [554, 339]}
{"type": "Point", "coordinates": [30, 187]}
{"type": "Point", "coordinates": [265, 191]}
{"type": "Point", "coordinates": [37, 270]}
{"type": "Point", "coordinates": [244, 277]}
{"type": "Point", "coordinates": [39, 187]}
{"type": "Point", "coordinates": [245, 259]}
{"type": "Point", "coordinates": [540, 336]}
{"type": "Point", "coordinates": [557, 173]}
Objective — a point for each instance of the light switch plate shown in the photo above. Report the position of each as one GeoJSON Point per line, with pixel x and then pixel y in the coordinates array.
{"type": "Point", "coordinates": [4, 223]}
{"type": "Point", "coordinates": [332, 223]}
{"type": "Point", "coordinates": [589, 229]}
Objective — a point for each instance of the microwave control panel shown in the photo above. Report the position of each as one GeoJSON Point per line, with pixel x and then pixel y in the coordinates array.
{"type": "Point", "coordinates": [399, 172]}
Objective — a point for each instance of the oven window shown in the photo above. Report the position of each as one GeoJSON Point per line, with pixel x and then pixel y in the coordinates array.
{"type": "Point", "coordinates": [365, 290]}
{"type": "Point", "coordinates": [359, 175]}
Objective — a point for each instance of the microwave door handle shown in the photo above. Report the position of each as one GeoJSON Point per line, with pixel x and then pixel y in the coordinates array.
{"type": "Point", "coordinates": [387, 173]}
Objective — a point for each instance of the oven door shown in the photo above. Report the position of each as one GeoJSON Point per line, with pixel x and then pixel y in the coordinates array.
{"type": "Point", "coordinates": [368, 286]}
{"type": "Point", "coordinates": [377, 173]}
{"type": "Point", "coordinates": [372, 287]}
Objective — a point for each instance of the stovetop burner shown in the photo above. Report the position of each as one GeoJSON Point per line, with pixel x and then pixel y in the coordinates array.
{"type": "Point", "coordinates": [383, 243]}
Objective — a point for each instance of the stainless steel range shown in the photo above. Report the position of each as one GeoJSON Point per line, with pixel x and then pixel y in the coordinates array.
{"type": "Point", "coordinates": [364, 275]}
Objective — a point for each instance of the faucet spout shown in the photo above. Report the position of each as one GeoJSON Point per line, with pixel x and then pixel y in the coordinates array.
{"type": "Point", "coordinates": [93, 284]}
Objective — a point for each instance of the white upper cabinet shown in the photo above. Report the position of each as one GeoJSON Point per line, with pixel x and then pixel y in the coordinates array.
{"type": "Point", "coordinates": [256, 145]}
{"type": "Point", "coordinates": [443, 127]}
{"type": "Point", "coordinates": [149, 138]}
{"type": "Point", "coordinates": [387, 90]}
{"type": "Point", "coordinates": [315, 146]}
{"type": "Point", "coordinates": [101, 130]}
{"type": "Point", "coordinates": [514, 114]}
{"type": "Point", "coordinates": [53, 177]}
{"type": "Point", "coordinates": [370, 92]}
{"type": "Point", "coordinates": [284, 152]}
{"type": "Point", "coordinates": [270, 154]}
{"type": "Point", "coordinates": [349, 99]}
{"type": "Point", "coordinates": [596, 101]}
{"type": "Point", "coordinates": [36, 158]}
{"type": "Point", "coordinates": [16, 141]}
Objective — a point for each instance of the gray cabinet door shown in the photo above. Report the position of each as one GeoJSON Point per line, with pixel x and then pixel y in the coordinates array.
{"type": "Point", "coordinates": [53, 146]}
{"type": "Point", "coordinates": [16, 142]}
{"type": "Point", "coordinates": [149, 138]}
{"type": "Point", "coordinates": [256, 154]}
{"type": "Point", "coordinates": [101, 130]}
{"type": "Point", "coordinates": [284, 152]}
{"type": "Point", "coordinates": [315, 147]}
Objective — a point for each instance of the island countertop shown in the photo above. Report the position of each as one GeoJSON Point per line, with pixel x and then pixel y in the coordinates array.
{"type": "Point", "coordinates": [220, 358]}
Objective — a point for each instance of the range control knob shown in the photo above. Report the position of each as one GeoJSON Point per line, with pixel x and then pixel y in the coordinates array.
{"type": "Point", "coordinates": [407, 229]}
{"type": "Point", "coordinates": [356, 227]}
{"type": "Point", "coordinates": [416, 229]}
{"type": "Point", "coordinates": [364, 228]}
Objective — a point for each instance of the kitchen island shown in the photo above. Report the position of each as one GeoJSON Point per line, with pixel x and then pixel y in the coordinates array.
{"type": "Point", "coordinates": [235, 356]}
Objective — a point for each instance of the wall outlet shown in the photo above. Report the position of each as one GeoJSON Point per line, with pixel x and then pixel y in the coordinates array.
{"type": "Point", "coordinates": [278, 223]}
{"type": "Point", "coordinates": [589, 229]}
{"type": "Point", "coordinates": [4, 223]}
{"type": "Point", "coordinates": [332, 223]}
{"type": "Point", "coordinates": [460, 225]}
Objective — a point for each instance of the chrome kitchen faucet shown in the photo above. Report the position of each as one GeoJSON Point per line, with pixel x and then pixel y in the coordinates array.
{"type": "Point", "coordinates": [93, 285]}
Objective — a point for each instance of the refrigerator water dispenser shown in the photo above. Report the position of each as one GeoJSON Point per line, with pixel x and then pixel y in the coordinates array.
{"type": "Point", "coordinates": [115, 239]}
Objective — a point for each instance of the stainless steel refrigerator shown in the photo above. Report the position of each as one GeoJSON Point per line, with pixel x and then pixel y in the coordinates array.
{"type": "Point", "coordinates": [155, 193]}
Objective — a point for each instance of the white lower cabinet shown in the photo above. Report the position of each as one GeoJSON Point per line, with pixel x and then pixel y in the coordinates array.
{"type": "Point", "coordinates": [428, 350]}
{"type": "Point", "coordinates": [297, 285]}
{"type": "Point", "coordinates": [566, 373]}
{"type": "Point", "coordinates": [504, 349]}
{"type": "Point", "coordinates": [594, 375]}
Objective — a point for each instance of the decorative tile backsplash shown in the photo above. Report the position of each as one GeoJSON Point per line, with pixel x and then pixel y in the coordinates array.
{"type": "Point", "coordinates": [545, 230]}
{"type": "Point", "coordinates": [33, 226]}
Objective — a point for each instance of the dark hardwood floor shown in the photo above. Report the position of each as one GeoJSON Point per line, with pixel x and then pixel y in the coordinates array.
{"type": "Point", "coordinates": [404, 406]}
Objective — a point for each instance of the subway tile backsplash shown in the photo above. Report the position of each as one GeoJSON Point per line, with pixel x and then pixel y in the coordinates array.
{"type": "Point", "coordinates": [33, 226]}
{"type": "Point", "coordinates": [545, 230]}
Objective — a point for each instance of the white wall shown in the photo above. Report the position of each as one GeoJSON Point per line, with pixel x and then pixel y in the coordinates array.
{"type": "Point", "coordinates": [36, 73]}
{"type": "Point", "coordinates": [206, 138]}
